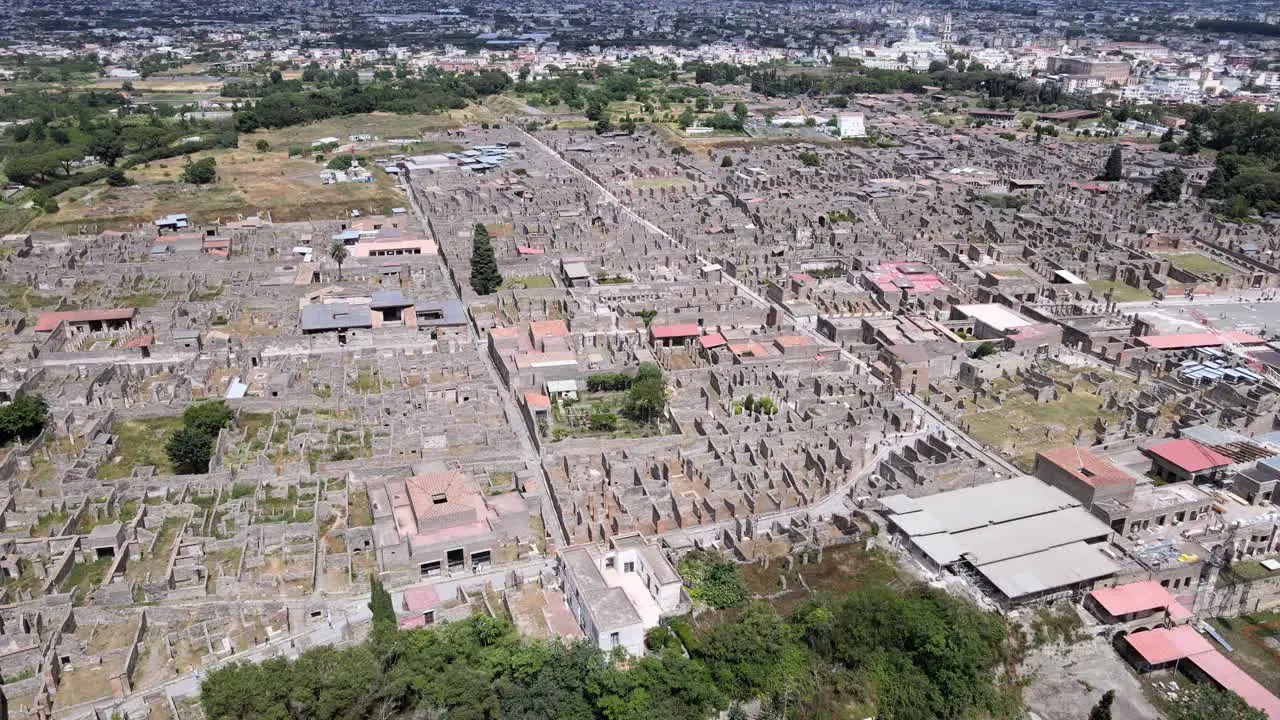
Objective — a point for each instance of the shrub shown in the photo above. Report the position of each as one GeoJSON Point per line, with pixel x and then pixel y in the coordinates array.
{"type": "Point", "coordinates": [201, 172]}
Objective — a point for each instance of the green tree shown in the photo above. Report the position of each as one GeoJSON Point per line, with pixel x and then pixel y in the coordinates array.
{"type": "Point", "coordinates": [1102, 711]}
{"type": "Point", "coordinates": [117, 178]}
{"type": "Point", "coordinates": [262, 146]}
{"type": "Point", "coordinates": [201, 172]}
{"type": "Point", "coordinates": [384, 624]}
{"type": "Point", "coordinates": [485, 278]}
{"type": "Point", "coordinates": [1114, 169]}
{"type": "Point", "coordinates": [1168, 186]}
{"type": "Point", "coordinates": [984, 349]}
{"type": "Point", "coordinates": [647, 395]}
{"type": "Point", "coordinates": [106, 146]}
{"type": "Point", "coordinates": [189, 451]}
{"type": "Point", "coordinates": [338, 253]}
{"type": "Point", "coordinates": [31, 169]}
{"type": "Point", "coordinates": [809, 158]}
{"type": "Point", "coordinates": [23, 419]}
{"type": "Point", "coordinates": [1199, 701]}
{"type": "Point", "coordinates": [343, 161]}
{"type": "Point", "coordinates": [208, 417]}
{"type": "Point", "coordinates": [726, 161]}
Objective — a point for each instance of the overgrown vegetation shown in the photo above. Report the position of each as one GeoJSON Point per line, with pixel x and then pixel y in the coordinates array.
{"type": "Point", "coordinates": [922, 654]}
{"type": "Point", "coordinates": [713, 580]}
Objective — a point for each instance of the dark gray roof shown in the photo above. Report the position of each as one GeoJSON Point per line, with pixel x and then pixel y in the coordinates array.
{"type": "Point", "coordinates": [335, 316]}
{"type": "Point", "coordinates": [389, 299]}
{"type": "Point", "coordinates": [454, 313]}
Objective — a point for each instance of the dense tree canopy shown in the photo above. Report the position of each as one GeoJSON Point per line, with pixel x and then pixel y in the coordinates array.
{"type": "Point", "coordinates": [919, 656]}
{"type": "Point", "coordinates": [23, 419]}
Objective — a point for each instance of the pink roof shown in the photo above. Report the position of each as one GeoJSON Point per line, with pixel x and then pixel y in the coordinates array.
{"type": "Point", "coordinates": [48, 321]}
{"type": "Point", "coordinates": [1087, 467]}
{"type": "Point", "coordinates": [525, 250]}
{"type": "Point", "coordinates": [504, 333]}
{"type": "Point", "coordinates": [418, 599]}
{"type": "Point", "coordinates": [536, 401]}
{"type": "Point", "coordinates": [921, 282]}
{"type": "Point", "coordinates": [140, 341]}
{"type": "Point", "coordinates": [714, 340]}
{"type": "Point", "coordinates": [1225, 673]}
{"type": "Point", "coordinates": [451, 486]}
{"type": "Point", "coordinates": [548, 328]}
{"type": "Point", "coordinates": [675, 331]}
{"type": "Point", "coordinates": [1195, 340]}
{"type": "Point", "coordinates": [1133, 597]}
{"type": "Point", "coordinates": [1164, 645]}
{"type": "Point", "coordinates": [1189, 455]}
{"type": "Point", "coordinates": [545, 359]}
{"type": "Point", "coordinates": [802, 277]}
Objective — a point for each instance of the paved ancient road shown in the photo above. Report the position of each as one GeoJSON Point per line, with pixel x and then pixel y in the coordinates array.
{"type": "Point", "coordinates": [953, 433]}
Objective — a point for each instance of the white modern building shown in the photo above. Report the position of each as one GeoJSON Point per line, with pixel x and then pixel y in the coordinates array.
{"type": "Point", "coordinates": [851, 125]}
{"type": "Point", "coordinates": [619, 592]}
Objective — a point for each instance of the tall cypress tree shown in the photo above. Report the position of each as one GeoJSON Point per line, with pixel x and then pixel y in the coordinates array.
{"type": "Point", "coordinates": [1115, 165]}
{"type": "Point", "coordinates": [485, 277]}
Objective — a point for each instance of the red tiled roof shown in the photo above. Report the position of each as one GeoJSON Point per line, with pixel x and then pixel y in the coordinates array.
{"type": "Point", "coordinates": [140, 341]}
{"type": "Point", "coordinates": [1133, 597]}
{"type": "Point", "coordinates": [1195, 340]}
{"type": "Point", "coordinates": [1189, 455]}
{"type": "Point", "coordinates": [1087, 467]}
{"type": "Point", "coordinates": [675, 331]}
{"type": "Point", "coordinates": [536, 401]}
{"type": "Point", "coordinates": [525, 250]}
{"type": "Point", "coordinates": [46, 322]}
{"type": "Point", "coordinates": [1164, 645]}
{"type": "Point", "coordinates": [1225, 673]}
{"type": "Point", "coordinates": [714, 340]}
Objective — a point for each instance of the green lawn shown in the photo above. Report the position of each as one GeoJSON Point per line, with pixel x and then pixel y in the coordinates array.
{"type": "Point", "coordinates": [84, 578]}
{"type": "Point", "coordinates": [530, 282]}
{"type": "Point", "coordinates": [138, 443]}
{"type": "Point", "coordinates": [1122, 292]}
{"type": "Point", "coordinates": [1193, 262]}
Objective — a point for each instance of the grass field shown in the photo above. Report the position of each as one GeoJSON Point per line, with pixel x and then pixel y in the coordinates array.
{"type": "Point", "coordinates": [382, 125]}
{"type": "Point", "coordinates": [248, 182]}
{"type": "Point", "coordinates": [1199, 264]}
{"type": "Point", "coordinates": [251, 182]}
{"type": "Point", "coordinates": [140, 442]}
{"type": "Point", "coordinates": [532, 282]}
{"type": "Point", "coordinates": [1122, 292]}
{"type": "Point", "coordinates": [1020, 426]}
